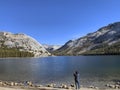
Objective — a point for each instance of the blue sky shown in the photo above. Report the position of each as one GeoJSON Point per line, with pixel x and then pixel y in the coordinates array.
{"type": "Point", "coordinates": [57, 21]}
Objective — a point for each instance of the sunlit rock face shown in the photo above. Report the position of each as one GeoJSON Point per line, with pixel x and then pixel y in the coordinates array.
{"type": "Point", "coordinates": [23, 43]}
{"type": "Point", "coordinates": [104, 37]}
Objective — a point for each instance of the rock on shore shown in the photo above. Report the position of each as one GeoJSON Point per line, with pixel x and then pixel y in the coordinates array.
{"type": "Point", "coordinates": [28, 85]}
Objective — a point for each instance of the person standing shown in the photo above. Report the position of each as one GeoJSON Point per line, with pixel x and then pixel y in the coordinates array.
{"type": "Point", "coordinates": [77, 80]}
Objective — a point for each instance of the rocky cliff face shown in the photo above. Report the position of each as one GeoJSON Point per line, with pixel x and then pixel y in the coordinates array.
{"type": "Point", "coordinates": [102, 39]}
{"type": "Point", "coordinates": [23, 43]}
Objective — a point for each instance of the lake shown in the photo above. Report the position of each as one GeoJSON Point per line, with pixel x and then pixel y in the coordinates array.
{"type": "Point", "coordinates": [94, 70]}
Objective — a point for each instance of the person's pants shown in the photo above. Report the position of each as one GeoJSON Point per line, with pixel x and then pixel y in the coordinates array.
{"type": "Point", "coordinates": [77, 85]}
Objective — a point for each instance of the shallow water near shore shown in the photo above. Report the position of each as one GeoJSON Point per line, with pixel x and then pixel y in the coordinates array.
{"type": "Point", "coordinates": [94, 70]}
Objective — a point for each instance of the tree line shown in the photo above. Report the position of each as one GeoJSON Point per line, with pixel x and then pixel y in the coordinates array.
{"type": "Point", "coordinates": [13, 52]}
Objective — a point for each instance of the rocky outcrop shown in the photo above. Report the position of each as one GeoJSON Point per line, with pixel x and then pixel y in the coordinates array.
{"type": "Point", "coordinates": [99, 42]}
{"type": "Point", "coordinates": [22, 42]}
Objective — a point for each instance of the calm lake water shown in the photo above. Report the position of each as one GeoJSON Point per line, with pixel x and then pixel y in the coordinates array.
{"type": "Point", "coordinates": [94, 70]}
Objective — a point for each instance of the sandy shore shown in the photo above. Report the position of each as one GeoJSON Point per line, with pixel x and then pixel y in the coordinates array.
{"type": "Point", "coordinates": [47, 88]}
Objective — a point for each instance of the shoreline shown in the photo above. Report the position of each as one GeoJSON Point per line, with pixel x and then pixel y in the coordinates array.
{"type": "Point", "coordinates": [47, 88]}
{"type": "Point", "coordinates": [28, 85]}
{"type": "Point", "coordinates": [62, 55]}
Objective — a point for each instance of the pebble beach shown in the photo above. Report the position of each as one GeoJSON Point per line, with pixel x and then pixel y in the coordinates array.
{"type": "Point", "coordinates": [28, 85]}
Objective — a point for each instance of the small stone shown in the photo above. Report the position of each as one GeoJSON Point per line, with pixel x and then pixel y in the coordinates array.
{"type": "Point", "coordinates": [91, 87]}
{"type": "Point", "coordinates": [40, 85]}
{"type": "Point", "coordinates": [7, 83]}
{"type": "Point", "coordinates": [15, 84]}
{"type": "Point", "coordinates": [116, 86]}
{"type": "Point", "coordinates": [107, 85]}
{"type": "Point", "coordinates": [69, 87]}
{"type": "Point", "coordinates": [4, 84]}
{"type": "Point", "coordinates": [1, 82]}
{"type": "Point", "coordinates": [64, 86]}
{"type": "Point", "coordinates": [50, 85]}
{"type": "Point", "coordinates": [72, 85]}
{"type": "Point", "coordinates": [29, 83]}
{"type": "Point", "coordinates": [112, 86]}
{"type": "Point", "coordinates": [54, 85]}
{"type": "Point", "coordinates": [12, 84]}
{"type": "Point", "coordinates": [96, 88]}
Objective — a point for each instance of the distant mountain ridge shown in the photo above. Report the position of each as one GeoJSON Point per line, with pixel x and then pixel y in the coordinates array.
{"type": "Point", "coordinates": [106, 40]}
{"type": "Point", "coordinates": [21, 43]}
{"type": "Point", "coordinates": [51, 48]}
